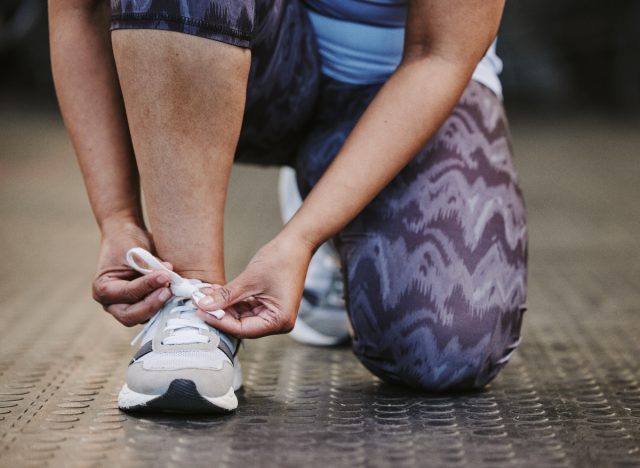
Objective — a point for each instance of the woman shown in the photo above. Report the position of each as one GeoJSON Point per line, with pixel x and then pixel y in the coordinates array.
{"type": "Point", "coordinates": [388, 110]}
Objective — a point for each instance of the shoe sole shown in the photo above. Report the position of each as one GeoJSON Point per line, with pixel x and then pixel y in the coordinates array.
{"type": "Point", "coordinates": [303, 333]}
{"type": "Point", "coordinates": [182, 396]}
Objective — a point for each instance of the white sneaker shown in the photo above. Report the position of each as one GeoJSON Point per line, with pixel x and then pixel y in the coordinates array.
{"type": "Point", "coordinates": [322, 317]}
{"type": "Point", "coordinates": [184, 364]}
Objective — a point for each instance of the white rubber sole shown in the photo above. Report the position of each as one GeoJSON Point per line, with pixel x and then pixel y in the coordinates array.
{"type": "Point", "coordinates": [304, 334]}
{"type": "Point", "coordinates": [288, 195]}
{"type": "Point", "coordinates": [128, 399]}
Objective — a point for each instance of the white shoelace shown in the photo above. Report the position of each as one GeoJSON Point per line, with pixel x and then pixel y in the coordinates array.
{"type": "Point", "coordinates": [185, 327]}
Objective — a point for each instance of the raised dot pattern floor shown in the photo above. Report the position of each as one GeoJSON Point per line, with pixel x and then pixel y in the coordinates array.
{"type": "Point", "coordinates": [569, 398]}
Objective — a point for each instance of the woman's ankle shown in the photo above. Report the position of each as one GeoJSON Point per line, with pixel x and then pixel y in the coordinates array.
{"type": "Point", "coordinates": [206, 276]}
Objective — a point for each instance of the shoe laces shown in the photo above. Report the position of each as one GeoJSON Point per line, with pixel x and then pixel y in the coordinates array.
{"type": "Point", "coordinates": [184, 325]}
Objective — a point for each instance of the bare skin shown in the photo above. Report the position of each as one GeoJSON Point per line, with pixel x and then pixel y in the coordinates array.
{"type": "Point", "coordinates": [184, 98]}
{"type": "Point", "coordinates": [445, 39]}
{"type": "Point", "coordinates": [93, 110]}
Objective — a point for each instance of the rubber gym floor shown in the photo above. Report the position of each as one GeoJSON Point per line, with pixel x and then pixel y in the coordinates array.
{"type": "Point", "coordinates": [569, 398]}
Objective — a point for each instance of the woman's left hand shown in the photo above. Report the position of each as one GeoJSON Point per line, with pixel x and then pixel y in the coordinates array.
{"type": "Point", "coordinates": [264, 298]}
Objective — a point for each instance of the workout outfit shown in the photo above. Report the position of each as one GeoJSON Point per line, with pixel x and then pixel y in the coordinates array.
{"type": "Point", "coordinates": [435, 266]}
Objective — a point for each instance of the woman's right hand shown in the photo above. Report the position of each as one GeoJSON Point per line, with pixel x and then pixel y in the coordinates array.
{"type": "Point", "coordinates": [122, 291]}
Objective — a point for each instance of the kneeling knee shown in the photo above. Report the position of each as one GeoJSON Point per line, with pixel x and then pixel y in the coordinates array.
{"type": "Point", "coordinates": [432, 372]}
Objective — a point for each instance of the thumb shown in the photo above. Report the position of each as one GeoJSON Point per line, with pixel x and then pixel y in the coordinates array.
{"type": "Point", "coordinates": [222, 297]}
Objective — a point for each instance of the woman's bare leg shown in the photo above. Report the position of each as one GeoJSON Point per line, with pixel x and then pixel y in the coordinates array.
{"type": "Point", "coordinates": [184, 98]}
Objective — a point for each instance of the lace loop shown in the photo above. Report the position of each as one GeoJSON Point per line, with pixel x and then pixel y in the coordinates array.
{"type": "Point", "coordinates": [185, 327]}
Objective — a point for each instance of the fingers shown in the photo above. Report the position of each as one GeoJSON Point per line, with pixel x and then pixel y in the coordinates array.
{"type": "Point", "coordinates": [244, 321]}
{"type": "Point", "coordinates": [222, 297]}
{"type": "Point", "coordinates": [108, 290]}
{"type": "Point", "coordinates": [245, 327]}
{"type": "Point", "coordinates": [133, 314]}
{"type": "Point", "coordinates": [141, 287]}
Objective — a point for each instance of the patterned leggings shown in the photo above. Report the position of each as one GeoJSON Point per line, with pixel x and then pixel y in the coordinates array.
{"type": "Point", "coordinates": [435, 266]}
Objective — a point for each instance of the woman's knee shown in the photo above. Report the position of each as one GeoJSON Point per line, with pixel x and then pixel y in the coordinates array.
{"type": "Point", "coordinates": [428, 335]}
{"type": "Point", "coordinates": [424, 368]}
{"type": "Point", "coordinates": [417, 369]}
{"type": "Point", "coordinates": [422, 352]}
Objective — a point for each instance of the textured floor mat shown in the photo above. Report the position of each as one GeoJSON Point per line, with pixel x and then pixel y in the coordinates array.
{"type": "Point", "coordinates": [569, 398]}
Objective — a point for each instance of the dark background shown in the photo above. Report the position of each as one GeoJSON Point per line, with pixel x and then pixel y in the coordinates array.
{"type": "Point", "coordinates": [561, 55]}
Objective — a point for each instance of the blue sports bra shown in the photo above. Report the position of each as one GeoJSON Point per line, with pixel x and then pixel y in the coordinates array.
{"type": "Point", "coordinates": [361, 41]}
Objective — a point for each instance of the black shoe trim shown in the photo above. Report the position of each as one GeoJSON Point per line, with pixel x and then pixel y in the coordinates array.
{"type": "Point", "coordinates": [182, 396]}
{"type": "Point", "coordinates": [235, 353]}
{"type": "Point", "coordinates": [144, 349]}
{"type": "Point", "coordinates": [222, 346]}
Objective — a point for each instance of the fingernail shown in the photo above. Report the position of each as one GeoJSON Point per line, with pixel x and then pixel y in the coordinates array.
{"type": "Point", "coordinates": [164, 295]}
{"type": "Point", "coordinates": [216, 313]}
{"type": "Point", "coordinates": [205, 301]}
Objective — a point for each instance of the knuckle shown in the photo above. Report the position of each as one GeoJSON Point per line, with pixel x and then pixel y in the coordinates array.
{"type": "Point", "coordinates": [273, 321]}
{"type": "Point", "coordinates": [99, 291]}
{"type": "Point", "coordinates": [288, 325]}
{"type": "Point", "coordinates": [130, 293]}
{"type": "Point", "coordinates": [150, 283]}
{"type": "Point", "coordinates": [148, 301]}
{"type": "Point", "coordinates": [127, 321]}
{"type": "Point", "coordinates": [225, 293]}
{"type": "Point", "coordinates": [116, 314]}
{"type": "Point", "coordinates": [121, 316]}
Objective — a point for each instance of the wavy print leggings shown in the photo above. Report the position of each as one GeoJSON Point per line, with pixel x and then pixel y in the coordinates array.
{"type": "Point", "coordinates": [435, 266]}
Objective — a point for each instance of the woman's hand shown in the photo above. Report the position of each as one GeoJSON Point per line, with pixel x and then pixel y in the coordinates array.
{"type": "Point", "coordinates": [129, 297]}
{"type": "Point", "coordinates": [264, 298]}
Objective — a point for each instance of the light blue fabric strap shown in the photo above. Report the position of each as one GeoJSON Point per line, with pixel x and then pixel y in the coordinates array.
{"type": "Point", "coordinates": [357, 53]}
{"type": "Point", "coordinates": [360, 53]}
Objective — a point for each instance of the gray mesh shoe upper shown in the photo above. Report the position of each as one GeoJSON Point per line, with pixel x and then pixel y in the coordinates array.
{"type": "Point", "coordinates": [177, 344]}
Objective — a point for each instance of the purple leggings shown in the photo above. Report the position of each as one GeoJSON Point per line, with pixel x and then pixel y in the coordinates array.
{"type": "Point", "coordinates": [435, 266]}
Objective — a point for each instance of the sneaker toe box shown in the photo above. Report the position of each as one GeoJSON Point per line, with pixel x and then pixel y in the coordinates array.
{"type": "Point", "coordinates": [211, 382]}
